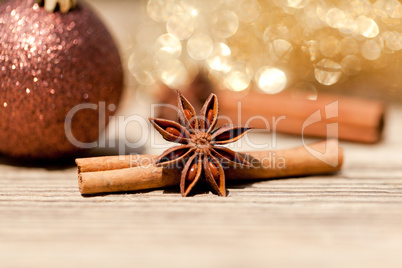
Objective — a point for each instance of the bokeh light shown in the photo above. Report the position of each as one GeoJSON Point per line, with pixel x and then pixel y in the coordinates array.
{"type": "Point", "coordinates": [327, 72]}
{"type": "Point", "coordinates": [304, 90]}
{"type": "Point", "coordinates": [237, 79]}
{"type": "Point", "coordinates": [225, 24]}
{"type": "Point", "coordinates": [173, 73]}
{"type": "Point", "coordinates": [249, 10]}
{"type": "Point", "coordinates": [200, 46]}
{"type": "Point", "coordinates": [280, 50]}
{"type": "Point", "coordinates": [245, 43]}
{"type": "Point", "coordinates": [220, 58]}
{"type": "Point", "coordinates": [160, 10]}
{"type": "Point", "coordinates": [168, 44]}
{"type": "Point", "coordinates": [367, 27]}
{"type": "Point", "coordinates": [371, 50]}
{"type": "Point", "coordinates": [142, 69]}
{"type": "Point", "coordinates": [271, 80]}
{"type": "Point", "coordinates": [351, 65]}
{"type": "Point", "coordinates": [180, 25]}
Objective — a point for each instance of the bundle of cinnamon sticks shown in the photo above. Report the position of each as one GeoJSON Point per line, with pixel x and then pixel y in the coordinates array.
{"type": "Point", "coordinates": [138, 172]}
{"type": "Point", "coordinates": [340, 117]}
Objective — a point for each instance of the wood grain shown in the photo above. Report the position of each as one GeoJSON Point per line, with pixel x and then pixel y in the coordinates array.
{"type": "Point", "coordinates": [351, 219]}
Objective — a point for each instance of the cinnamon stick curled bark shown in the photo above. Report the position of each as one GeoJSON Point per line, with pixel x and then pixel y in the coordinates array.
{"type": "Point", "coordinates": [359, 120]}
{"type": "Point", "coordinates": [127, 173]}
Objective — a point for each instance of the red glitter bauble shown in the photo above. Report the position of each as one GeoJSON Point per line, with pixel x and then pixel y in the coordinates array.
{"type": "Point", "coordinates": [50, 63]}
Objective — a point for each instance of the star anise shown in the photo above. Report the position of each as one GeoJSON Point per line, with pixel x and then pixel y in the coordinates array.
{"type": "Point", "coordinates": [199, 148]}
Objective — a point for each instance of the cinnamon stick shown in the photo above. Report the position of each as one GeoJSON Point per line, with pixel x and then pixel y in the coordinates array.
{"type": "Point", "coordinates": [123, 174]}
{"type": "Point", "coordinates": [359, 120]}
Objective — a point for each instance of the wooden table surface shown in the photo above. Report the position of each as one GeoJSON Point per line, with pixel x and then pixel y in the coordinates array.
{"type": "Point", "coordinates": [351, 219]}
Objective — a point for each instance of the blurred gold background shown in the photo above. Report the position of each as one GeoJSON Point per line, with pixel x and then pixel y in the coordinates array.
{"type": "Point", "coordinates": [351, 47]}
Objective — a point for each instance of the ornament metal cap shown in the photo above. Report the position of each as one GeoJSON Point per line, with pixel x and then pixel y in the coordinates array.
{"type": "Point", "coordinates": [64, 5]}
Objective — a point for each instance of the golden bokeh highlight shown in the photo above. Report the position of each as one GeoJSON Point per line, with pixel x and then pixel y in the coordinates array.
{"type": "Point", "coordinates": [220, 59]}
{"type": "Point", "coordinates": [270, 80]}
{"type": "Point", "coordinates": [237, 79]}
{"type": "Point", "coordinates": [200, 46]}
{"type": "Point", "coordinates": [270, 44]}
{"type": "Point", "coordinates": [328, 72]}
{"type": "Point", "coordinates": [180, 25]}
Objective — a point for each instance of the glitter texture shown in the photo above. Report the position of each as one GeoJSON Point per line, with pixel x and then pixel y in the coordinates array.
{"type": "Point", "coordinates": [51, 62]}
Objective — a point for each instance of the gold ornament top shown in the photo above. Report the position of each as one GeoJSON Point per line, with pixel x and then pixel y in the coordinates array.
{"type": "Point", "coordinates": [64, 5]}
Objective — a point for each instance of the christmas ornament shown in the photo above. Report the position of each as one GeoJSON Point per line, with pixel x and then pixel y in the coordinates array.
{"type": "Point", "coordinates": [50, 63]}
